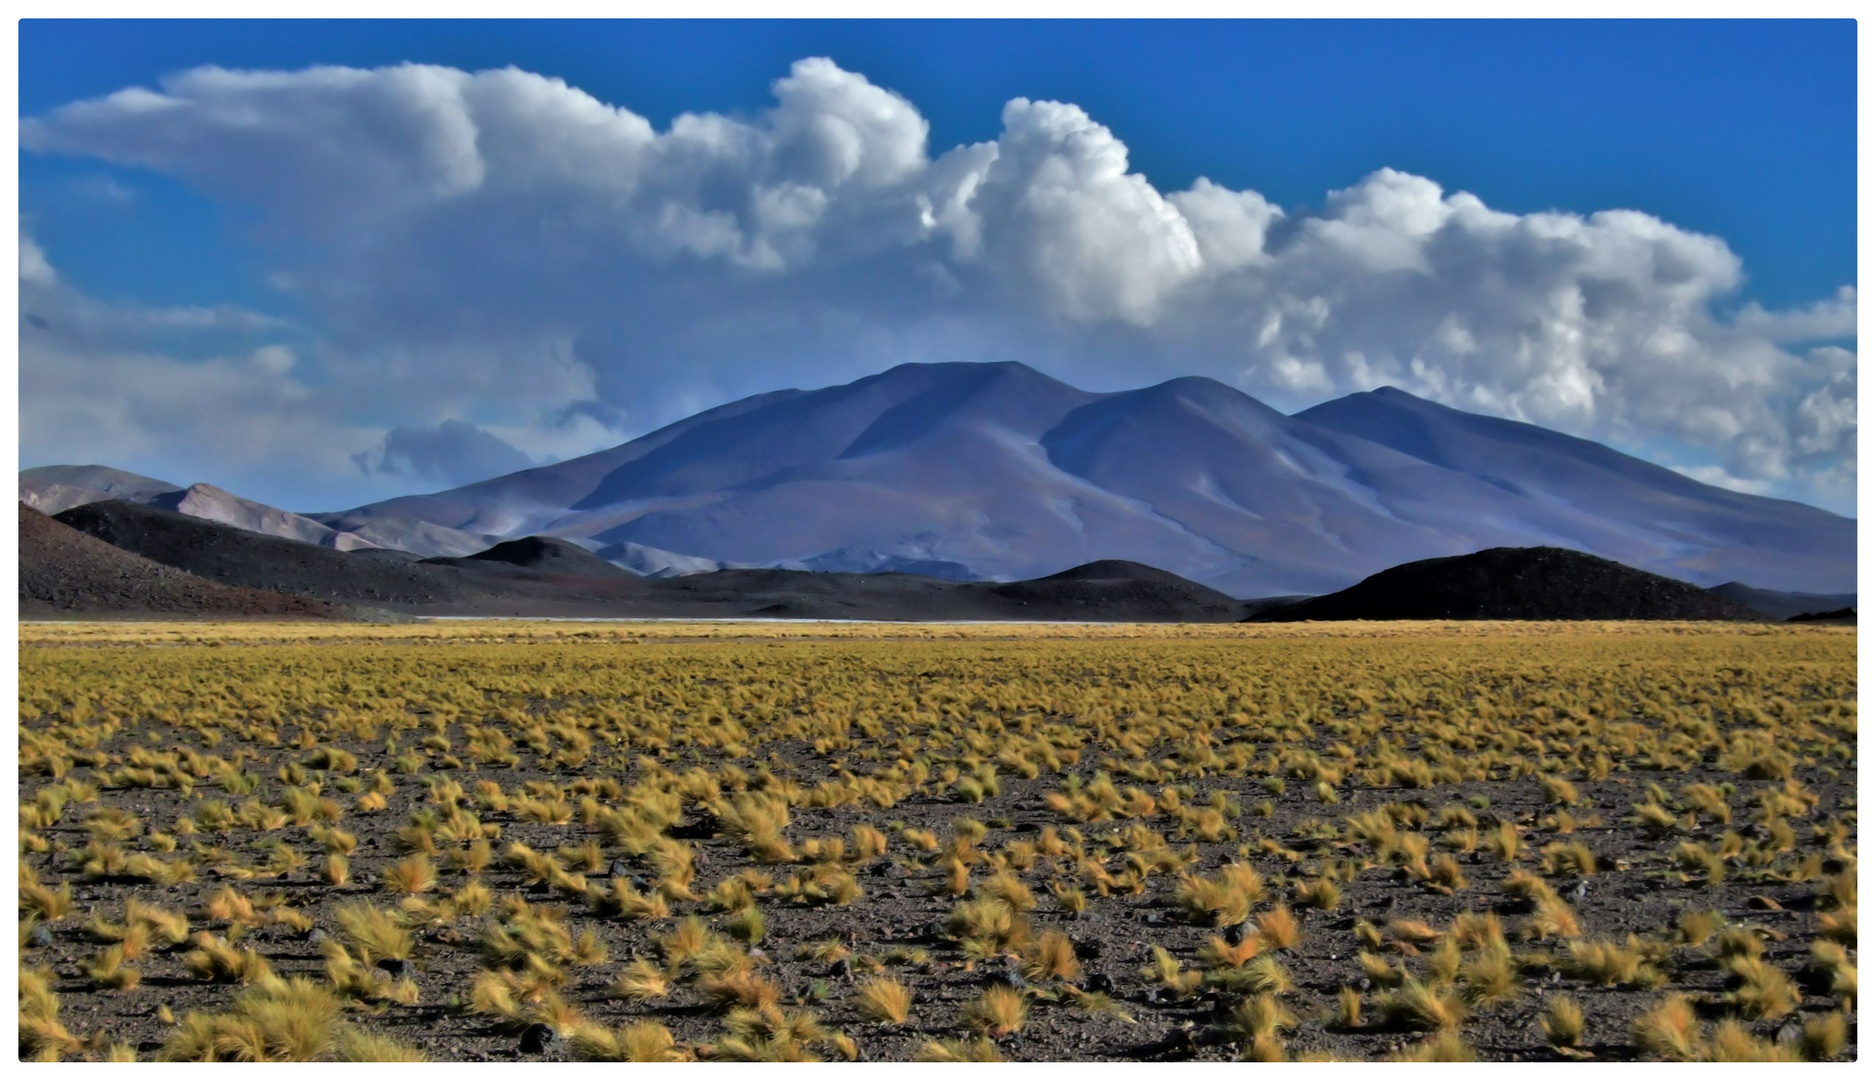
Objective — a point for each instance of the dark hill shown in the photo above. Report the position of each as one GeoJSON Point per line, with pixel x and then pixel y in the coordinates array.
{"type": "Point", "coordinates": [1839, 617]}
{"type": "Point", "coordinates": [64, 572]}
{"type": "Point", "coordinates": [1100, 590]}
{"type": "Point", "coordinates": [1514, 583]}
{"type": "Point", "coordinates": [547, 553]}
{"type": "Point", "coordinates": [1781, 605]}
{"type": "Point", "coordinates": [1117, 570]}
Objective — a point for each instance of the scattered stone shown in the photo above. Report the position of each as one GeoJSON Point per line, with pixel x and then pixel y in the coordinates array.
{"type": "Point", "coordinates": [39, 938]}
{"type": "Point", "coordinates": [1099, 983]}
{"type": "Point", "coordinates": [539, 1039]}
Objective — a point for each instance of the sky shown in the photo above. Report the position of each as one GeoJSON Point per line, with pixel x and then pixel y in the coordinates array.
{"type": "Point", "coordinates": [325, 263]}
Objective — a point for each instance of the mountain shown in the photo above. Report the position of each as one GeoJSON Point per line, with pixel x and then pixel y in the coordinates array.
{"type": "Point", "coordinates": [1513, 583]}
{"type": "Point", "coordinates": [50, 489]}
{"type": "Point", "coordinates": [64, 572]}
{"type": "Point", "coordinates": [53, 489]}
{"type": "Point", "coordinates": [995, 471]}
{"type": "Point", "coordinates": [213, 504]}
{"type": "Point", "coordinates": [1782, 605]}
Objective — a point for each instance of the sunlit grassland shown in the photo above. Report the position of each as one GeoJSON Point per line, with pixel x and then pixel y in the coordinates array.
{"type": "Point", "coordinates": [1350, 840]}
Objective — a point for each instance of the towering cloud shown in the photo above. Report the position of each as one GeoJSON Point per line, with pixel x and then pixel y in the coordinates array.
{"type": "Point", "coordinates": [501, 240]}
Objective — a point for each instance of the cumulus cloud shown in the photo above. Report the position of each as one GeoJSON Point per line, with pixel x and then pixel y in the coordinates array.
{"type": "Point", "coordinates": [499, 239]}
{"type": "Point", "coordinates": [451, 453]}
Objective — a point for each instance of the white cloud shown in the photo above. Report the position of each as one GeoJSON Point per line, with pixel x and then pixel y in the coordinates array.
{"type": "Point", "coordinates": [503, 240]}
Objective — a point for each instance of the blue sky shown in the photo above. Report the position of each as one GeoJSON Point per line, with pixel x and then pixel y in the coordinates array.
{"type": "Point", "coordinates": [1743, 131]}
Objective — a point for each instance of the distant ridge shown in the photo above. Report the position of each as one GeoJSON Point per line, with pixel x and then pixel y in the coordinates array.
{"type": "Point", "coordinates": [1781, 605]}
{"type": "Point", "coordinates": [538, 576]}
{"type": "Point", "coordinates": [1841, 617]}
{"type": "Point", "coordinates": [1514, 583]}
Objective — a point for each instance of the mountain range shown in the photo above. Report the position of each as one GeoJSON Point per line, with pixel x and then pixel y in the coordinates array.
{"type": "Point", "coordinates": [998, 472]}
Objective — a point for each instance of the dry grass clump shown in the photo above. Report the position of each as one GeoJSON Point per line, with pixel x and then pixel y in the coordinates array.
{"type": "Point", "coordinates": [1562, 1025]}
{"type": "Point", "coordinates": [884, 1000]}
{"type": "Point", "coordinates": [277, 1020]}
{"type": "Point", "coordinates": [960, 1050]}
{"type": "Point", "coordinates": [1669, 1031]}
{"type": "Point", "coordinates": [1416, 1006]}
{"type": "Point", "coordinates": [643, 1041]}
{"type": "Point", "coordinates": [999, 1011]}
{"type": "Point", "coordinates": [353, 1044]}
{"type": "Point", "coordinates": [1222, 899]}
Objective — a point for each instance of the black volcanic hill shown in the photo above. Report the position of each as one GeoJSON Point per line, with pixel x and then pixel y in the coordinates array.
{"type": "Point", "coordinates": [1087, 590]}
{"type": "Point", "coordinates": [1118, 570]}
{"type": "Point", "coordinates": [64, 572]}
{"type": "Point", "coordinates": [546, 553]}
{"type": "Point", "coordinates": [1514, 583]}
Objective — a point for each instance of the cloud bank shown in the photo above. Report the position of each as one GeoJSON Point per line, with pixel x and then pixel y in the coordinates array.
{"type": "Point", "coordinates": [503, 267]}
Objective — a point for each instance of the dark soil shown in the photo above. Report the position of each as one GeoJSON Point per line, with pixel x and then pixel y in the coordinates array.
{"type": "Point", "coordinates": [65, 572]}
{"type": "Point", "coordinates": [1515, 583]}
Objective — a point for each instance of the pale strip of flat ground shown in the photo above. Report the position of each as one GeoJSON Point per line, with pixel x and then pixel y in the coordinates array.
{"type": "Point", "coordinates": [158, 632]}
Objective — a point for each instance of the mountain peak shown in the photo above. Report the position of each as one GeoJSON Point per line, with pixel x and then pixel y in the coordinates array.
{"type": "Point", "coordinates": [997, 470]}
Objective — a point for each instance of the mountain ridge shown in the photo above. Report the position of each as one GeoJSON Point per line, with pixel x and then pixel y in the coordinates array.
{"type": "Point", "coordinates": [1000, 472]}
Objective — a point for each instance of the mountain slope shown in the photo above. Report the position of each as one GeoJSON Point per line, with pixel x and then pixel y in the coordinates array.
{"type": "Point", "coordinates": [50, 489]}
{"type": "Point", "coordinates": [211, 503]}
{"type": "Point", "coordinates": [1514, 583]}
{"type": "Point", "coordinates": [1590, 496]}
